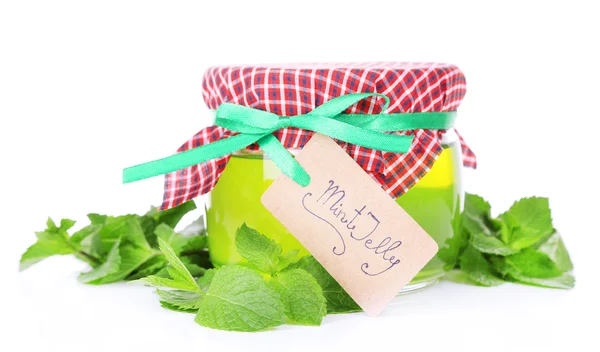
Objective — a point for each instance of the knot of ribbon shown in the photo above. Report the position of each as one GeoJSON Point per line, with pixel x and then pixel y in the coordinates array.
{"type": "Point", "coordinates": [257, 126]}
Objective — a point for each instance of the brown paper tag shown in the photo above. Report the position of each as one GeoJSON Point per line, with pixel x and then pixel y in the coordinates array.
{"type": "Point", "coordinates": [364, 239]}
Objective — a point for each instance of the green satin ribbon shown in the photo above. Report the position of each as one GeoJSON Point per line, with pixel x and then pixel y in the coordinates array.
{"type": "Point", "coordinates": [257, 126]}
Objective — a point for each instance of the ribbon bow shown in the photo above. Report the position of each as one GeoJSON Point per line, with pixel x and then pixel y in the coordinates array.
{"type": "Point", "coordinates": [257, 126]}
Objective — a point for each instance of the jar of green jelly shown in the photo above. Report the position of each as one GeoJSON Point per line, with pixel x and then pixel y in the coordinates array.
{"type": "Point", "coordinates": [435, 202]}
{"type": "Point", "coordinates": [426, 182]}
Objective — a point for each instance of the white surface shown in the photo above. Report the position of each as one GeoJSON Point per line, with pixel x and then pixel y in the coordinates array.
{"type": "Point", "coordinates": [87, 88]}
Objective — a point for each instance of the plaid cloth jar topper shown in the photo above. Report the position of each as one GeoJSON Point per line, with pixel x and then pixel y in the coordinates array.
{"type": "Point", "coordinates": [289, 90]}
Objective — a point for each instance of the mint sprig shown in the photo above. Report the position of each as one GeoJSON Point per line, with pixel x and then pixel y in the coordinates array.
{"type": "Point", "coordinates": [53, 241]}
{"type": "Point", "coordinates": [122, 247]}
{"type": "Point", "coordinates": [274, 288]}
{"type": "Point", "coordinates": [231, 298]}
{"type": "Point", "coordinates": [267, 255]}
{"type": "Point", "coordinates": [520, 245]}
{"type": "Point", "coordinates": [299, 292]}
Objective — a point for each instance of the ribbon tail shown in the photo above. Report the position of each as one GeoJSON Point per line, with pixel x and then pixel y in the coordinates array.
{"type": "Point", "coordinates": [284, 160]}
{"type": "Point", "coordinates": [188, 158]}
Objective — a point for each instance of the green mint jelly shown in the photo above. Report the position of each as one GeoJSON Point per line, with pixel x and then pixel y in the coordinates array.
{"type": "Point", "coordinates": [434, 202]}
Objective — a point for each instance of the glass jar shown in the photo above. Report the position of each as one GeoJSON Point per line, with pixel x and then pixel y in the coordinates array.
{"type": "Point", "coordinates": [435, 202]}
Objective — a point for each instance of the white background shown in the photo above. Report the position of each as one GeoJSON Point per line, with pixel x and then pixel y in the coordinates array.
{"type": "Point", "coordinates": [90, 87]}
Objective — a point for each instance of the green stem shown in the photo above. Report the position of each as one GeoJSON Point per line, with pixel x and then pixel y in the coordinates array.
{"type": "Point", "coordinates": [195, 251]}
{"type": "Point", "coordinates": [89, 258]}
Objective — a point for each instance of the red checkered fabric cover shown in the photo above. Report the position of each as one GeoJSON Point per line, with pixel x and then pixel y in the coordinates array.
{"type": "Point", "coordinates": [288, 90]}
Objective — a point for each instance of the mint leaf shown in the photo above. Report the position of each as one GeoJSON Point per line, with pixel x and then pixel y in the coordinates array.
{"type": "Point", "coordinates": [157, 281]}
{"type": "Point", "coordinates": [565, 281]}
{"type": "Point", "coordinates": [157, 264]}
{"type": "Point", "coordinates": [83, 234]}
{"type": "Point", "coordinates": [511, 271]}
{"type": "Point", "coordinates": [84, 240]}
{"type": "Point", "coordinates": [205, 280]}
{"type": "Point", "coordinates": [555, 249]}
{"type": "Point", "coordinates": [337, 300]}
{"type": "Point", "coordinates": [134, 251]}
{"type": "Point", "coordinates": [110, 265]}
{"type": "Point", "coordinates": [531, 221]}
{"type": "Point", "coordinates": [132, 257]}
{"type": "Point", "coordinates": [180, 277]}
{"type": "Point", "coordinates": [113, 229]}
{"type": "Point", "coordinates": [177, 270]}
{"type": "Point", "coordinates": [486, 233]}
{"type": "Point", "coordinates": [180, 243]}
{"type": "Point", "coordinates": [260, 251]}
{"type": "Point", "coordinates": [91, 243]}
{"type": "Point", "coordinates": [477, 268]}
{"type": "Point", "coordinates": [149, 267]}
{"type": "Point", "coordinates": [53, 241]}
{"type": "Point", "coordinates": [201, 259]}
{"type": "Point", "coordinates": [174, 308]}
{"type": "Point", "coordinates": [504, 228]}
{"type": "Point", "coordinates": [532, 263]}
{"type": "Point", "coordinates": [195, 228]}
{"type": "Point", "coordinates": [476, 215]}
{"type": "Point", "coordinates": [454, 245]}
{"type": "Point", "coordinates": [194, 269]}
{"type": "Point", "coordinates": [193, 244]}
{"type": "Point", "coordinates": [301, 295]}
{"type": "Point", "coordinates": [181, 300]}
{"type": "Point", "coordinates": [168, 234]}
{"type": "Point", "coordinates": [65, 225]}
{"type": "Point", "coordinates": [490, 244]}
{"type": "Point", "coordinates": [170, 217]}
{"type": "Point", "coordinates": [40, 251]}
{"type": "Point", "coordinates": [239, 300]}
{"type": "Point", "coordinates": [135, 233]}
{"type": "Point", "coordinates": [500, 266]}
{"type": "Point", "coordinates": [286, 259]}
